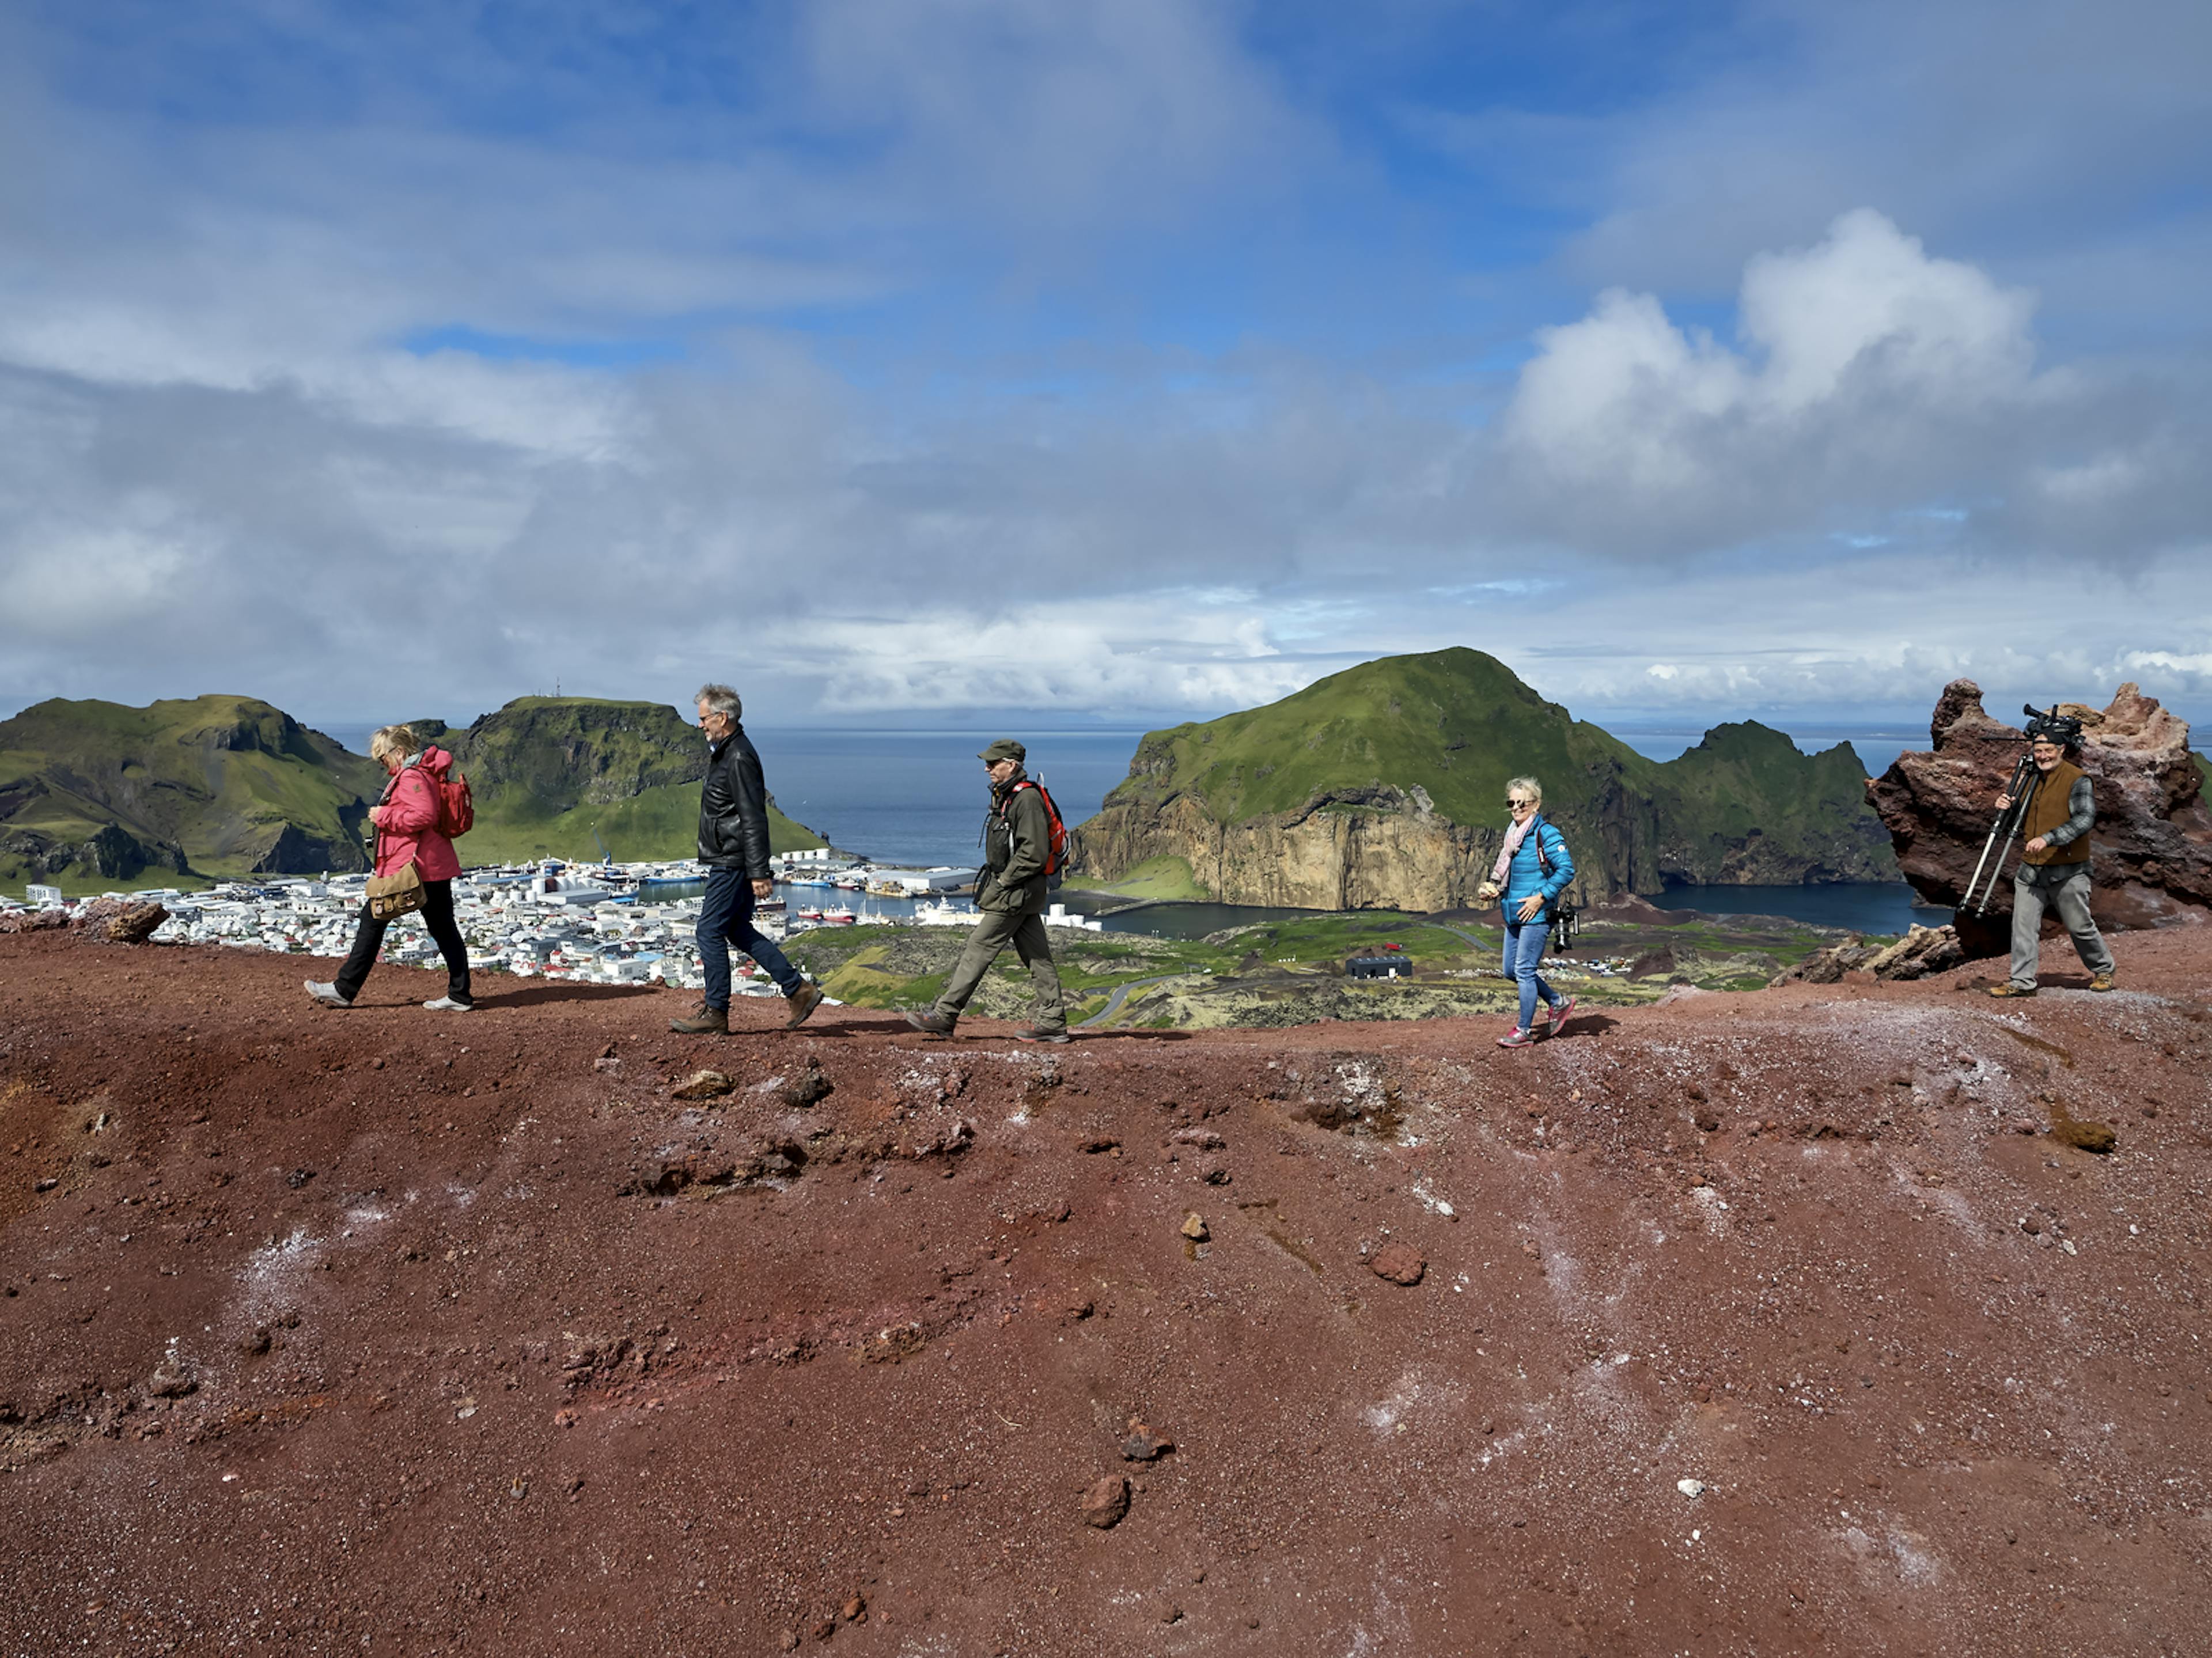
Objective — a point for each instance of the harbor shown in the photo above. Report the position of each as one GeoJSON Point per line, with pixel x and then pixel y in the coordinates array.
{"type": "Point", "coordinates": [604, 923]}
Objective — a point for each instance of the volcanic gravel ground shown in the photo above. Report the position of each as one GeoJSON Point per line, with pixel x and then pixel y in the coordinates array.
{"type": "Point", "coordinates": [390, 1330]}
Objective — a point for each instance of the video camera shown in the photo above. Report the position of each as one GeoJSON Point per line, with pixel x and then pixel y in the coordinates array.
{"type": "Point", "coordinates": [2052, 726]}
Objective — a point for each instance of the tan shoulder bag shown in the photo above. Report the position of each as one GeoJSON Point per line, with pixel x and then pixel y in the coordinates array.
{"type": "Point", "coordinates": [401, 892]}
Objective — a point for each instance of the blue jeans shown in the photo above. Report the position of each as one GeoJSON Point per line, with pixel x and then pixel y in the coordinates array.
{"type": "Point", "coordinates": [1525, 948]}
{"type": "Point", "coordinates": [728, 919]}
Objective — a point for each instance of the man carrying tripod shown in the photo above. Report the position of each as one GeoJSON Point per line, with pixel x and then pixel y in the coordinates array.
{"type": "Point", "coordinates": [2060, 808]}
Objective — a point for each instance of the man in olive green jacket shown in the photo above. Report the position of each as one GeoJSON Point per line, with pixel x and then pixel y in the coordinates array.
{"type": "Point", "coordinates": [1011, 893]}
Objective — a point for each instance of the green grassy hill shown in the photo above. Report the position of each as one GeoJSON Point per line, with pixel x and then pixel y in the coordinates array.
{"type": "Point", "coordinates": [1416, 739]}
{"type": "Point", "coordinates": [549, 772]}
{"type": "Point", "coordinates": [1746, 801]}
{"type": "Point", "coordinates": [96, 794]}
{"type": "Point", "coordinates": [1455, 723]}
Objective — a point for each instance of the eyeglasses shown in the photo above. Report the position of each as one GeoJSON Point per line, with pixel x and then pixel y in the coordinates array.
{"type": "Point", "coordinates": [1510, 801]}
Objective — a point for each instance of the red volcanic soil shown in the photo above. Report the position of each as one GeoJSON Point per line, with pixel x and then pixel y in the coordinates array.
{"type": "Point", "coordinates": [393, 1332]}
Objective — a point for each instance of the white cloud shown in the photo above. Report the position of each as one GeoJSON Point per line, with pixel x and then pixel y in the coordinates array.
{"type": "Point", "coordinates": [1855, 350]}
{"type": "Point", "coordinates": [1870, 379]}
{"type": "Point", "coordinates": [214, 451]}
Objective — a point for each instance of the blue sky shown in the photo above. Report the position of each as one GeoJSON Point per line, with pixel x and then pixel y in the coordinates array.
{"type": "Point", "coordinates": [1133, 360]}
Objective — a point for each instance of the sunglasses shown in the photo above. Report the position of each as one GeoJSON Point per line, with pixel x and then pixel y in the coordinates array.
{"type": "Point", "coordinates": [1510, 801]}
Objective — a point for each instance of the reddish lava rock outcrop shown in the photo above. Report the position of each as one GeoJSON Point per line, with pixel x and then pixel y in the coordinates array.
{"type": "Point", "coordinates": [2152, 842]}
{"type": "Point", "coordinates": [1778, 1322]}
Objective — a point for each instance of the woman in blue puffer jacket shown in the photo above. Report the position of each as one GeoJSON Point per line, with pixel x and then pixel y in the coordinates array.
{"type": "Point", "coordinates": [1534, 868]}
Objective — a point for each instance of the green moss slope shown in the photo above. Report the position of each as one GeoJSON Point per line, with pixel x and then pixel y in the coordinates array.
{"type": "Point", "coordinates": [1456, 723]}
{"type": "Point", "coordinates": [94, 794]}
{"type": "Point", "coordinates": [546, 772]}
{"type": "Point", "coordinates": [221, 784]}
{"type": "Point", "coordinates": [1450, 728]}
{"type": "Point", "coordinates": [1747, 796]}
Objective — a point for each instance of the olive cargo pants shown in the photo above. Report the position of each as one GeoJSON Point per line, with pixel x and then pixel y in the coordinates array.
{"type": "Point", "coordinates": [1024, 930]}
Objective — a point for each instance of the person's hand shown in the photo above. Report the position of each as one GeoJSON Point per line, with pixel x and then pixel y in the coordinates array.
{"type": "Point", "coordinates": [376, 816]}
{"type": "Point", "coordinates": [763, 889]}
{"type": "Point", "coordinates": [2037, 844]}
{"type": "Point", "coordinates": [1531, 908]}
{"type": "Point", "coordinates": [1487, 892]}
{"type": "Point", "coordinates": [2003, 802]}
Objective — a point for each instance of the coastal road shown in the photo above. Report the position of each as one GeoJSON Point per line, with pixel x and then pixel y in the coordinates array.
{"type": "Point", "coordinates": [1120, 995]}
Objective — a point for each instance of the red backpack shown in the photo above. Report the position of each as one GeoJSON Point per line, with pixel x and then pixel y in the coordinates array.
{"type": "Point", "coordinates": [457, 807]}
{"type": "Point", "coordinates": [1056, 857]}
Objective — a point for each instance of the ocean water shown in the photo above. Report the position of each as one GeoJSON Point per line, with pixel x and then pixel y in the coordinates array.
{"type": "Point", "coordinates": [908, 797]}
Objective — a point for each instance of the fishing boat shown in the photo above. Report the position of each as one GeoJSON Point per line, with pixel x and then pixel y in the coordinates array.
{"type": "Point", "coordinates": [809, 914]}
{"type": "Point", "coordinates": [839, 917]}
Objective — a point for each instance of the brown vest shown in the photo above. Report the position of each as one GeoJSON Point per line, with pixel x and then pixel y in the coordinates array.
{"type": "Point", "coordinates": [2047, 811]}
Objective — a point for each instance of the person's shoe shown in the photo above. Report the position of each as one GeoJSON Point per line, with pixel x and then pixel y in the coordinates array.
{"type": "Point", "coordinates": [707, 1022]}
{"type": "Point", "coordinates": [326, 994]}
{"type": "Point", "coordinates": [1034, 1035]}
{"type": "Point", "coordinates": [2009, 988]}
{"type": "Point", "coordinates": [447, 1005]}
{"type": "Point", "coordinates": [2100, 981]}
{"type": "Point", "coordinates": [1516, 1037]}
{"type": "Point", "coordinates": [803, 1000]}
{"type": "Point", "coordinates": [932, 1023]}
{"type": "Point", "coordinates": [1561, 1014]}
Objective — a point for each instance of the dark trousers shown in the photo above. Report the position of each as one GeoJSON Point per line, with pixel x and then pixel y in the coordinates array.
{"type": "Point", "coordinates": [727, 919]}
{"type": "Point", "coordinates": [437, 915]}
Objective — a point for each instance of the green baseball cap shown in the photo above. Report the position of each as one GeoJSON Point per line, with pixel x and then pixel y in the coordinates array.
{"type": "Point", "coordinates": [1005, 749]}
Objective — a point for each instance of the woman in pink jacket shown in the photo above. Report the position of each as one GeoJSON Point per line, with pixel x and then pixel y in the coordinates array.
{"type": "Point", "coordinates": [407, 832]}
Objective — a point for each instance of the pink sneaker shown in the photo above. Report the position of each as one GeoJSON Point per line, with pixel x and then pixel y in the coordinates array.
{"type": "Point", "coordinates": [1516, 1037]}
{"type": "Point", "coordinates": [1561, 1014]}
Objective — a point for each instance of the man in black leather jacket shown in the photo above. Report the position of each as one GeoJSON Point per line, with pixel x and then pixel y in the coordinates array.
{"type": "Point", "coordinates": [733, 845]}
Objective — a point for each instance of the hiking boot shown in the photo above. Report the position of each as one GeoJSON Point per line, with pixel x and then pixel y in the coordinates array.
{"type": "Point", "coordinates": [932, 1023]}
{"type": "Point", "coordinates": [326, 994]}
{"type": "Point", "coordinates": [1034, 1035]}
{"type": "Point", "coordinates": [1517, 1037]}
{"type": "Point", "coordinates": [707, 1022]}
{"type": "Point", "coordinates": [1561, 1014]}
{"type": "Point", "coordinates": [2011, 989]}
{"type": "Point", "coordinates": [2100, 981]}
{"type": "Point", "coordinates": [447, 1005]}
{"type": "Point", "coordinates": [803, 1000]}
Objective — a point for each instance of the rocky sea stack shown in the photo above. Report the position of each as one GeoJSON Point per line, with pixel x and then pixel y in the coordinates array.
{"type": "Point", "coordinates": [1383, 786]}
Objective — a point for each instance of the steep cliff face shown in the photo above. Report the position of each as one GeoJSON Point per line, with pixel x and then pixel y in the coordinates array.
{"type": "Point", "coordinates": [568, 775]}
{"type": "Point", "coordinates": [1746, 807]}
{"type": "Point", "coordinates": [231, 786]}
{"type": "Point", "coordinates": [542, 755]}
{"type": "Point", "coordinates": [216, 785]}
{"type": "Point", "coordinates": [1384, 787]}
